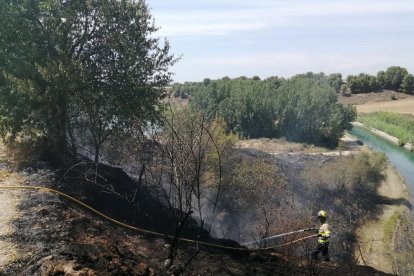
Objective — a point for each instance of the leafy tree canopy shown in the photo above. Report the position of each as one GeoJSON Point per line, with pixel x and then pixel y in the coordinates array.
{"type": "Point", "coordinates": [79, 67]}
{"type": "Point", "coordinates": [303, 108]}
{"type": "Point", "coordinates": [394, 78]}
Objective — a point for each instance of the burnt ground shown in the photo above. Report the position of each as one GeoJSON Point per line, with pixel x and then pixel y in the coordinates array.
{"type": "Point", "coordinates": [52, 236]}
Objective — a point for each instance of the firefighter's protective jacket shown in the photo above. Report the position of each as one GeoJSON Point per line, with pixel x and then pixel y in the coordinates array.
{"type": "Point", "coordinates": [323, 233]}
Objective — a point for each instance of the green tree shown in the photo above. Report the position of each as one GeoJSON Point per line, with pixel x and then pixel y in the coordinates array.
{"type": "Point", "coordinates": [335, 80]}
{"type": "Point", "coordinates": [308, 111]}
{"type": "Point", "coordinates": [344, 89]}
{"type": "Point", "coordinates": [91, 67]}
{"type": "Point", "coordinates": [392, 78]}
{"type": "Point", "coordinates": [362, 83]}
{"type": "Point", "coordinates": [407, 84]}
{"type": "Point", "coordinates": [382, 79]}
{"type": "Point", "coordinates": [304, 108]}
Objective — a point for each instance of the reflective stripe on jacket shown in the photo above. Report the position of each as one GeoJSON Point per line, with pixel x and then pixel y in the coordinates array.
{"type": "Point", "coordinates": [324, 233]}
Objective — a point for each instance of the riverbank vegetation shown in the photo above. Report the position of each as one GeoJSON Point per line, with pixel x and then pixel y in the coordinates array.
{"type": "Point", "coordinates": [403, 253]}
{"type": "Point", "coordinates": [345, 186]}
{"type": "Point", "coordinates": [303, 108]}
{"type": "Point", "coordinates": [262, 194]}
{"type": "Point", "coordinates": [398, 125]}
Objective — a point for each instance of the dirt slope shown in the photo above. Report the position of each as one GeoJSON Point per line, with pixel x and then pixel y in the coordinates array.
{"type": "Point", "coordinates": [386, 100]}
{"type": "Point", "coordinates": [405, 106]}
{"type": "Point", "coordinates": [43, 234]}
{"type": "Point", "coordinates": [375, 246]}
{"type": "Point", "coordinates": [9, 201]}
{"type": "Point", "coordinates": [374, 97]}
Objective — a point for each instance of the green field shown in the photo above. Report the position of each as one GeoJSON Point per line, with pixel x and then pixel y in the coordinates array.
{"type": "Point", "coordinates": [398, 125]}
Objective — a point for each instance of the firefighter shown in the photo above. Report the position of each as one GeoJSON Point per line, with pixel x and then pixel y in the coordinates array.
{"type": "Point", "coordinates": [323, 237]}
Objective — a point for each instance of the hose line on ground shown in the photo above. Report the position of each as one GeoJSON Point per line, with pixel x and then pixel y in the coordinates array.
{"type": "Point", "coordinates": [136, 229]}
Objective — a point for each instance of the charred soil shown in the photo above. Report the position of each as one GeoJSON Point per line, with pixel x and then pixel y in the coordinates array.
{"type": "Point", "coordinates": [49, 235]}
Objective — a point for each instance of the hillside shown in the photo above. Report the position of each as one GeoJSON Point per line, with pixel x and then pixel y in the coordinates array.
{"type": "Point", "coordinates": [381, 101]}
{"type": "Point", "coordinates": [404, 106]}
{"type": "Point", "coordinates": [48, 235]}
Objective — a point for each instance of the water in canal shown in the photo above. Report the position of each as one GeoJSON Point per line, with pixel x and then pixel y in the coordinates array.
{"type": "Point", "coordinates": [401, 158]}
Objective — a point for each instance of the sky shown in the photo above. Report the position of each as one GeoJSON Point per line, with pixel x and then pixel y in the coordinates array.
{"type": "Point", "coordinates": [217, 38]}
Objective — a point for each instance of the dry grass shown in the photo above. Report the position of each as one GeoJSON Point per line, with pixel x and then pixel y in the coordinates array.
{"type": "Point", "coordinates": [279, 146]}
{"type": "Point", "coordinates": [375, 236]}
{"type": "Point", "coordinates": [405, 106]}
{"type": "Point", "coordinates": [373, 97]}
{"type": "Point", "coordinates": [4, 174]}
{"type": "Point", "coordinates": [386, 100]}
{"type": "Point", "coordinates": [9, 201]}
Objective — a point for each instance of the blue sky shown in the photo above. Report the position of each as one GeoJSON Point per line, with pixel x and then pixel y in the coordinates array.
{"type": "Point", "coordinates": [218, 38]}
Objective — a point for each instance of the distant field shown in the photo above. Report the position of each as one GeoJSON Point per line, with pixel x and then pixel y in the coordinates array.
{"type": "Point", "coordinates": [405, 106]}
{"type": "Point", "coordinates": [374, 97]}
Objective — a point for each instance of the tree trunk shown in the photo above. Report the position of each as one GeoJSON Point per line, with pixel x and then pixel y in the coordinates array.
{"type": "Point", "coordinates": [97, 150]}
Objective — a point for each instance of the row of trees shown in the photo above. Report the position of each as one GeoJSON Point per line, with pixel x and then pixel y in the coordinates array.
{"type": "Point", "coordinates": [188, 88]}
{"type": "Point", "coordinates": [76, 73]}
{"type": "Point", "coordinates": [303, 108]}
{"type": "Point", "coordinates": [394, 78]}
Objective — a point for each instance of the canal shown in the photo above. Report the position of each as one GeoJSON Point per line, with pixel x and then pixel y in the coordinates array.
{"type": "Point", "coordinates": [401, 158]}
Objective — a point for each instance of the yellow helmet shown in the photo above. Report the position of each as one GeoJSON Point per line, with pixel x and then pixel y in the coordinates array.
{"type": "Point", "coordinates": [322, 214]}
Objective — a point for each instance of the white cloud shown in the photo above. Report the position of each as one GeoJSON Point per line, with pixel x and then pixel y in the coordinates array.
{"type": "Point", "coordinates": [281, 37]}
{"type": "Point", "coordinates": [208, 29]}
{"type": "Point", "coordinates": [219, 19]}
{"type": "Point", "coordinates": [298, 60]}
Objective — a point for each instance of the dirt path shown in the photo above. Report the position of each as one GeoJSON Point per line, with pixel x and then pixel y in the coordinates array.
{"type": "Point", "coordinates": [372, 237]}
{"type": "Point", "coordinates": [9, 201]}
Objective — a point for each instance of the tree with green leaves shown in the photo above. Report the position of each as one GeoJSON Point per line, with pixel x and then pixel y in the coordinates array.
{"type": "Point", "coordinates": [362, 83]}
{"type": "Point", "coordinates": [303, 108]}
{"type": "Point", "coordinates": [308, 111]}
{"type": "Point", "coordinates": [335, 80]}
{"type": "Point", "coordinates": [80, 67]}
{"type": "Point", "coordinates": [407, 83]}
{"type": "Point", "coordinates": [392, 78]}
{"type": "Point", "coordinates": [344, 89]}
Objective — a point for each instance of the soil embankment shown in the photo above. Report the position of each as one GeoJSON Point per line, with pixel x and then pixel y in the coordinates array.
{"type": "Point", "coordinates": [404, 106]}
{"type": "Point", "coordinates": [47, 235]}
{"type": "Point", "coordinates": [375, 237]}
{"type": "Point", "coordinates": [8, 211]}
{"type": "Point", "coordinates": [375, 100]}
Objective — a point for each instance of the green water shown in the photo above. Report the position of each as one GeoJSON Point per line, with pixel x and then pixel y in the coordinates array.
{"type": "Point", "coordinates": [401, 158]}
